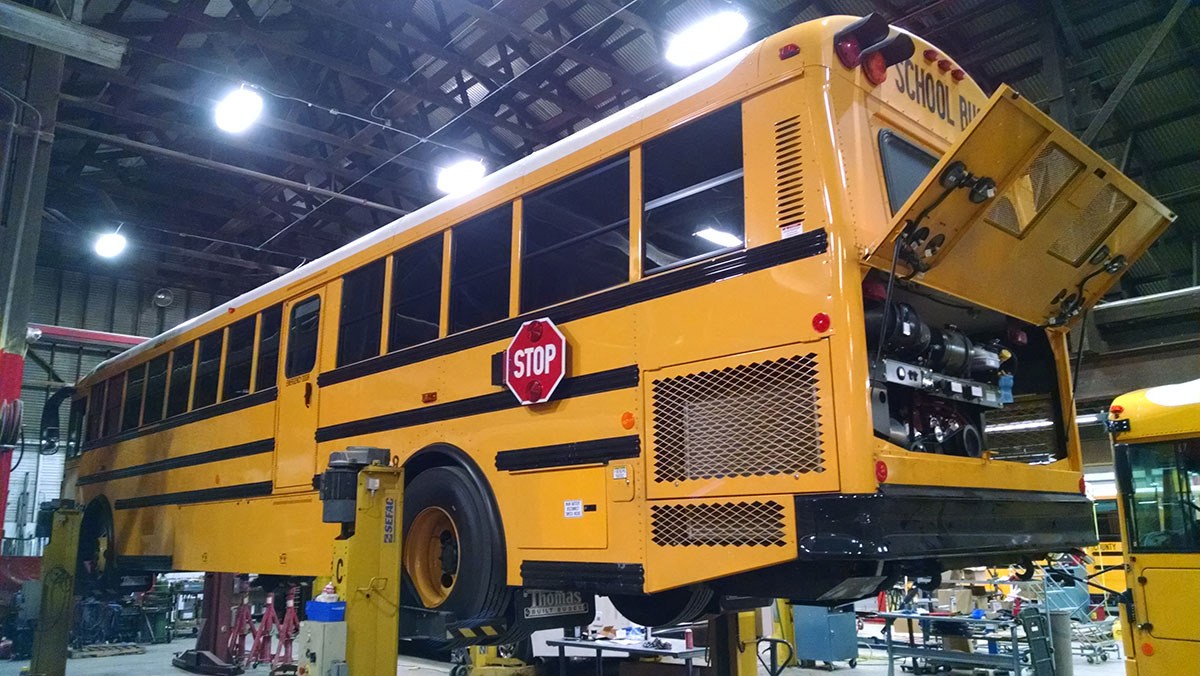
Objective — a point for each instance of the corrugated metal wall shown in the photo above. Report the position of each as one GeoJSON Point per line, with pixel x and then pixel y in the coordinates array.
{"type": "Point", "coordinates": [76, 300]}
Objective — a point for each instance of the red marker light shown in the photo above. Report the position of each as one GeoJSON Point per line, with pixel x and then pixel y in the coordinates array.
{"type": "Point", "coordinates": [848, 51]}
{"type": "Point", "coordinates": [1147, 649]}
{"type": "Point", "coordinates": [1082, 486]}
{"type": "Point", "coordinates": [1116, 410]}
{"type": "Point", "coordinates": [881, 471]}
{"type": "Point", "coordinates": [931, 55]}
{"type": "Point", "coordinates": [788, 51]}
{"type": "Point", "coordinates": [944, 65]}
{"type": "Point", "coordinates": [820, 322]}
{"type": "Point", "coordinates": [875, 68]}
{"type": "Point", "coordinates": [958, 74]}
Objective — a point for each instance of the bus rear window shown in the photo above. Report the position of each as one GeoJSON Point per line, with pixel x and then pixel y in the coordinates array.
{"type": "Point", "coordinates": [904, 167]}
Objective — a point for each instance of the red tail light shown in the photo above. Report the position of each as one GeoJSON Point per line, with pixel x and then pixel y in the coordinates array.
{"type": "Point", "coordinates": [870, 43]}
{"type": "Point", "coordinates": [875, 68]}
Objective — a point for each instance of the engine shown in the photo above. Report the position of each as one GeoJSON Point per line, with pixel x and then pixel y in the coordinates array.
{"type": "Point", "coordinates": [931, 386]}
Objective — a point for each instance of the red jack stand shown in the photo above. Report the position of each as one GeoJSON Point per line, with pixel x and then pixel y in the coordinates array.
{"type": "Point", "coordinates": [213, 646]}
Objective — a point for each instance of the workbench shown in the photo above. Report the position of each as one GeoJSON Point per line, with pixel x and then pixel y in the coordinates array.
{"type": "Point", "coordinates": [995, 632]}
{"type": "Point", "coordinates": [678, 650]}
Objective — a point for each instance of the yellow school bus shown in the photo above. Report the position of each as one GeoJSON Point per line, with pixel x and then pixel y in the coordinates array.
{"type": "Point", "coordinates": [1107, 568]}
{"type": "Point", "coordinates": [814, 301]}
{"type": "Point", "coordinates": [1156, 454]}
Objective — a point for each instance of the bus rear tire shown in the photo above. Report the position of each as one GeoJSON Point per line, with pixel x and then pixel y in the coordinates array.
{"type": "Point", "coordinates": [664, 609]}
{"type": "Point", "coordinates": [451, 558]}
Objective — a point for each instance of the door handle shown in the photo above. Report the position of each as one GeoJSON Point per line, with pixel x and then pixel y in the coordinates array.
{"type": "Point", "coordinates": [308, 390]}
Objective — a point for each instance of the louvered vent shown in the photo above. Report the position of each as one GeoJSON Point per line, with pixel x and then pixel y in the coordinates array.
{"type": "Point", "coordinates": [789, 172]}
{"type": "Point", "coordinates": [754, 419]}
{"type": "Point", "coordinates": [721, 524]}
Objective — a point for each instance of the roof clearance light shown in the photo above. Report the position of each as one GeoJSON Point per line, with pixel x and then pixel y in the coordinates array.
{"type": "Point", "coordinates": [110, 244]}
{"type": "Point", "coordinates": [706, 38]}
{"type": "Point", "coordinates": [460, 176]}
{"type": "Point", "coordinates": [719, 237]}
{"type": "Point", "coordinates": [238, 111]}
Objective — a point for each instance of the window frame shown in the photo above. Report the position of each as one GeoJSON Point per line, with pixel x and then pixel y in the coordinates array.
{"type": "Point", "coordinates": [437, 290]}
{"type": "Point", "coordinates": [258, 348]}
{"type": "Point", "coordinates": [166, 375]}
{"type": "Point", "coordinates": [252, 321]}
{"type": "Point", "coordinates": [288, 373]}
{"type": "Point", "coordinates": [371, 318]}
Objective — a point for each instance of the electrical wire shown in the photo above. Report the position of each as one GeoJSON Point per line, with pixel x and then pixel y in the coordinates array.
{"type": "Point", "coordinates": [427, 138]}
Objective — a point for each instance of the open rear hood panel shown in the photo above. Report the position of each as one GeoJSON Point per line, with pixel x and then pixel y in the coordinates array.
{"type": "Point", "coordinates": [1057, 205]}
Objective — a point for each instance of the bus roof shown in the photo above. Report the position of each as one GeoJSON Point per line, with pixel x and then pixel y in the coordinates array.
{"type": "Point", "coordinates": [1164, 412]}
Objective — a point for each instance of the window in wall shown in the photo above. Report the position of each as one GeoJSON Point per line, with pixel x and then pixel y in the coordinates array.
{"type": "Point", "coordinates": [208, 370]}
{"type": "Point", "coordinates": [156, 389]}
{"type": "Point", "coordinates": [303, 331]}
{"type": "Point", "coordinates": [95, 414]}
{"type": "Point", "coordinates": [112, 405]}
{"type": "Point", "coordinates": [905, 166]}
{"type": "Point", "coordinates": [576, 234]}
{"type": "Point", "coordinates": [134, 387]}
{"type": "Point", "coordinates": [693, 191]}
{"type": "Point", "coordinates": [361, 319]}
{"type": "Point", "coordinates": [479, 269]}
{"type": "Point", "coordinates": [239, 356]}
{"type": "Point", "coordinates": [268, 348]}
{"type": "Point", "coordinates": [416, 293]}
{"type": "Point", "coordinates": [181, 379]}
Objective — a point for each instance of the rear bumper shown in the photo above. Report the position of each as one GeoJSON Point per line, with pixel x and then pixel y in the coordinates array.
{"type": "Point", "coordinates": [927, 522]}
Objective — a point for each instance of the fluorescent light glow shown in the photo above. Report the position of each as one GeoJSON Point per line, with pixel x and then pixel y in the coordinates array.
{"type": "Point", "coordinates": [1090, 418]}
{"type": "Point", "coordinates": [706, 38]}
{"type": "Point", "coordinates": [1020, 426]}
{"type": "Point", "coordinates": [110, 244]}
{"type": "Point", "coordinates": [719, 237]}
{"type": "Point", "coordinates": [238, 111]}
{"type": "Point", "coordinates": [460, 176]}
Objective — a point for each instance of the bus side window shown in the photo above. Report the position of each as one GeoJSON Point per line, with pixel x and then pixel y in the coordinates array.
{"type": "Point", "coordinates": [303, 327]}
{"type": "Point", "coordinates": [692, 191]}
{"type": "Point", "coordinates": [479, 269]}
{"type": "Point", "coordinates": [132, 415]}
{"type": "Point", "coordinates": [75, 426]}
{"type": "Point", "coordinates": [208, 370]}
{"type": "Point", "coordinates": [361, 317]}
{"type": "Point", "coordinates": [268, 348]}
{"type": "Point", "coordinates": [156, 389]}
{"type": "Point", "coordinates": [416, 293]}
{"type": "Point", "coordinates": [95, 414]}
{"type": "Point", "coordinates": [112, 404]}
{"type": "Point", "coordinates": [238, 359]}
{"type": "Point", "coordinates": [576, 235]}
{"type": "Point", "coordinates": [181, 379]}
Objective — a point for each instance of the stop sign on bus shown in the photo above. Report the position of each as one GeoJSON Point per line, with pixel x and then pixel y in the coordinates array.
{"type": "Point", "coordinates": [535, 361]}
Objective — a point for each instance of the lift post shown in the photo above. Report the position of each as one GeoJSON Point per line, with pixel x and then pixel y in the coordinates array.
{"type": "Point", "coordinates": [366, 571]}
{"type": "Point", "coordinates": [58, 595]}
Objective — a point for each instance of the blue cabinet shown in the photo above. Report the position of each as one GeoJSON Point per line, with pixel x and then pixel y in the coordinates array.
{"type": "Point", "coordinates": [825, 634]}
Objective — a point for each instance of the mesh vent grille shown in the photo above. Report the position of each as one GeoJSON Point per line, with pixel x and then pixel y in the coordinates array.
{"type": "Point", "coordinates": [1093, 223]}
{"type": "Point", "coordinates": [1034, 190]}
{"type": "Point", "coordinates": [724, 524]}
{"type": "Point", "coordinates": [750, 420]}
{"type": "Point", "coordinates": [789, 172]}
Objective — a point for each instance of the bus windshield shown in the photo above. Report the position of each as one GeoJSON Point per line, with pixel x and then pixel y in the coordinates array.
{"type": "Point", "coordinates": [1160, 483]}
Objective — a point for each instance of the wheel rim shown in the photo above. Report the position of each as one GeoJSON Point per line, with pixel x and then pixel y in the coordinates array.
{"type": "Point", "coordinates": [431, 555]}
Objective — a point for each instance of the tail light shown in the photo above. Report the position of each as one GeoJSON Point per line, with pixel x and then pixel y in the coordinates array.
{"type": "Point", "coordinates": [870, 43]}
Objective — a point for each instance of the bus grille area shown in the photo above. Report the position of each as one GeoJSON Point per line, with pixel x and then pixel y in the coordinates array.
{"type": "Point", "coordinates": [756, 419]}
{"type": "Point", "coordinates": [718, 524]}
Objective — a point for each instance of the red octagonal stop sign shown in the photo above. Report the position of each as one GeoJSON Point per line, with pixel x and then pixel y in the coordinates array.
{"type": "Point", "coordinates": [535, 361]}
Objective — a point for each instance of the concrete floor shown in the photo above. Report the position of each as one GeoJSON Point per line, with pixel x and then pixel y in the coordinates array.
{"type": "Point", "coordinates": [157, 662]}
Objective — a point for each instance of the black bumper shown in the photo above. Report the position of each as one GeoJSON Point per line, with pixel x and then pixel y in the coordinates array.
{"type": "Point", "coordinates": [928, 522]}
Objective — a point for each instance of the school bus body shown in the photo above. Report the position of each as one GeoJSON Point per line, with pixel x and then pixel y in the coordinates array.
{"type": "Point", "coordinates": [1156, 434]}
{"type": "Point", "coordinates": [230, 487]}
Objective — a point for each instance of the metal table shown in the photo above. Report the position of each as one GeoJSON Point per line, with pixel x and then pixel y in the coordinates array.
{"type": "Point", "coordinates": [677, 650]}
{"type": "Point", "coordinates": [991, 630]}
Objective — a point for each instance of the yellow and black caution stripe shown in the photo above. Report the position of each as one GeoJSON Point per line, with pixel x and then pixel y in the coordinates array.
{"type": "Point", "coordinates": [476, 631]}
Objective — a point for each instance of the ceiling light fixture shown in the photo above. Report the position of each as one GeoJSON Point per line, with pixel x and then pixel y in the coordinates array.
{"type": "Point", "coordinates": [706, 38]}
{"type": "Point", "coordinates": [239, 110]}
{"type": "Point", "coordinates": [110, 244]}
{"type": "Point", "coordinates": [719, 237]}
{"type": "Point", "coordinates": [460, 176]}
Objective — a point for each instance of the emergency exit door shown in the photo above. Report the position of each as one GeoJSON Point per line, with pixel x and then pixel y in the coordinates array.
{"type": "Point", "coordinates": [296, 410]}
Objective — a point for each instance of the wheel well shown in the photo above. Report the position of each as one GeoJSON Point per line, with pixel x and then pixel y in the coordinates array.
{"type": "Point", "coordinates": [448, 455]}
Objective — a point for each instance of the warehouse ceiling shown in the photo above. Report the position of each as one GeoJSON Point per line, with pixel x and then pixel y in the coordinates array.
{"type": "Point", "coordinates": [420, 83]}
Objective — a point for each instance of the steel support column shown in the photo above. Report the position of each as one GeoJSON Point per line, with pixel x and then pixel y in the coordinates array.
{"type": "Point", "coordinates": [31, 77]}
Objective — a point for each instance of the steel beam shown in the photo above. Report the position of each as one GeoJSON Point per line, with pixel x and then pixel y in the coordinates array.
{"type": "Point", "coordinates": [1135, 70]}
{"type": "Point", "coordinates": [61, 35]}
{"type": "Point", "coordinates": [227, 168]}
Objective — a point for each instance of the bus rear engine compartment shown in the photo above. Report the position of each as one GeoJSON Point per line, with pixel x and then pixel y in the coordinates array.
{"type": "Point", "coordinates": [939, 367]}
